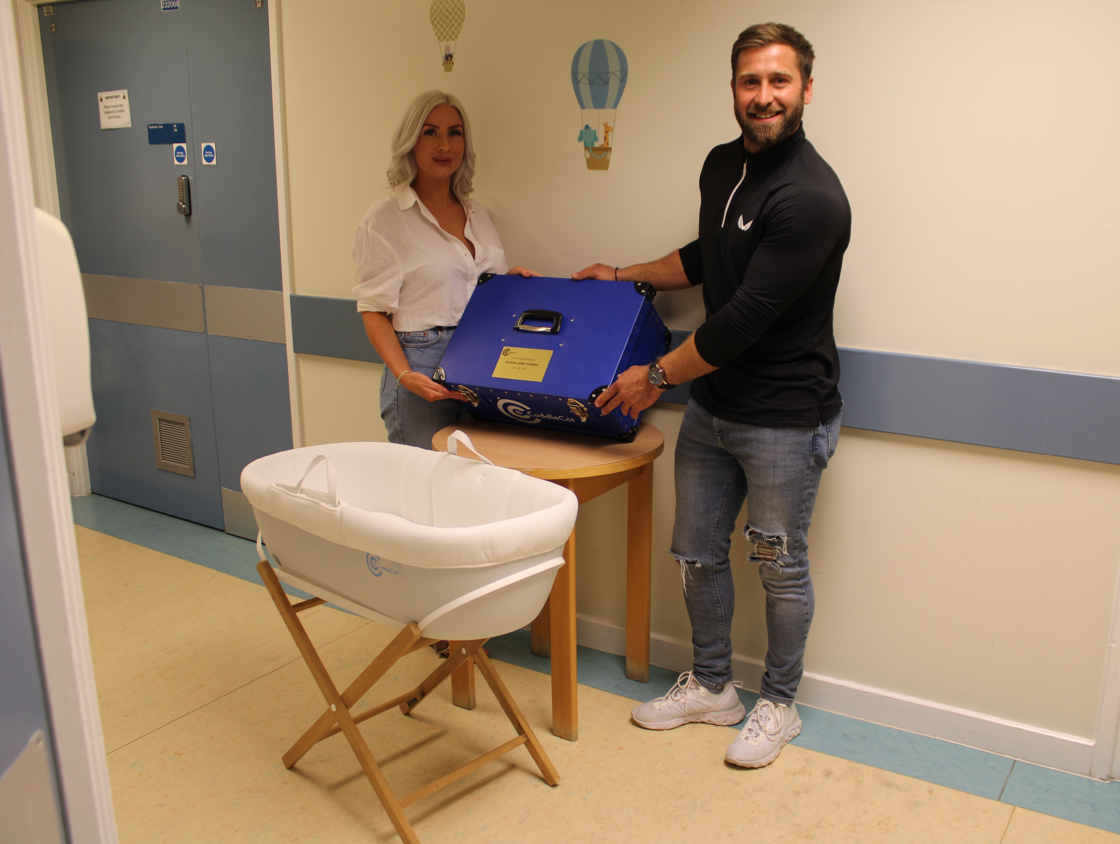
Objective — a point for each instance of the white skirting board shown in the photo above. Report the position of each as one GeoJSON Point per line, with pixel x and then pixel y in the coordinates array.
{"type": "Point", "coordinates": [960, 726]}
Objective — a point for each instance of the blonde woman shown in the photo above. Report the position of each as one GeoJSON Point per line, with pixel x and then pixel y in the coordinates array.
{"type": "Point", "coordinates": [418, 255]}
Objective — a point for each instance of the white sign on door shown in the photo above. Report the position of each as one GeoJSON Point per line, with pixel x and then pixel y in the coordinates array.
{"type": "Point", "coordinates": [115, 113]}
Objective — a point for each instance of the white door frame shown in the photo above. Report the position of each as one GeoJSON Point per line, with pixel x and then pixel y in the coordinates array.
{"type": "Point", "coordinates": [1105, 762]}
{"type": "Point", "coordinates": [39, 471]}
{"type": "Point", "coordinates": [283, 208]}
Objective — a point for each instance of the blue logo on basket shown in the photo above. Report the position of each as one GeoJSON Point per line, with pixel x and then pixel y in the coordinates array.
{"type": "Point", "coordinates": [517, 410]}
{"type": "Point", "coordinates": [376, 568]}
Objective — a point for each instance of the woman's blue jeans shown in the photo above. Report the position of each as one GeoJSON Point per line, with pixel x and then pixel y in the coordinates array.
{"type": "Point", "coordinates": [408, 418]}
{"type": "Point", "coordinates": [777, 471]}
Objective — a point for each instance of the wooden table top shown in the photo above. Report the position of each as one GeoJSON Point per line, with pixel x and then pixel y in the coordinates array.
{"type": "Point", "coordinates": [557, 456]}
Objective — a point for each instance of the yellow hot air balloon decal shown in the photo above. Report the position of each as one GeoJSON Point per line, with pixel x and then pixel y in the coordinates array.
{"type": "Point", "coordinates": [447, 18]}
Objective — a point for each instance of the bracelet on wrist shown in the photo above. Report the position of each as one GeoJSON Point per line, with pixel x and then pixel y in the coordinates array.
{"type": "Point", "coordinates": [399, 377]}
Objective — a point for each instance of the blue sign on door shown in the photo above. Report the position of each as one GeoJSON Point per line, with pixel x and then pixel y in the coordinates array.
{"type": "Point", "coordinates": [180, 153]}
{"type": "Point", "coordinates": [209, 154]}
{"type": "Point", "coordinates": [169, 5]}
{"type": "Point", "coordinates": [166, 133]}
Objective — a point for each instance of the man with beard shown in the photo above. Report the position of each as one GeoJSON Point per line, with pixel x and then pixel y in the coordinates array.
{"type": "Point", "coordinates": [763, 415]}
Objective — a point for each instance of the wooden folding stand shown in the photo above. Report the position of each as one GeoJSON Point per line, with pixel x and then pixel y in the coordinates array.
{"type": "Point", "coordinates": [589, 468]}
{"type": "Point", "coordinates": [338, 718]}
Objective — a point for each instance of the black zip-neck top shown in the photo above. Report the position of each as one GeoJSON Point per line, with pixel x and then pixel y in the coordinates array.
{"type": "Point", "coordinates": [773, 230]}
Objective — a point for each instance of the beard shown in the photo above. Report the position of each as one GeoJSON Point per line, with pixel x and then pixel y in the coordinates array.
{"type": "Point", "coordinates": [767, 135]}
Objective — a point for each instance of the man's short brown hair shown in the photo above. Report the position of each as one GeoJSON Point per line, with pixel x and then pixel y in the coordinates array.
{"type": "Point", "coordinates": [765, 34]}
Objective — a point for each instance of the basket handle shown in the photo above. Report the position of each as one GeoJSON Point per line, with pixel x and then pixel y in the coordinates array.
{"type": "Point", "coordinates": [332, 478]}
{"type": "Point", "coordinates": [459, 437]}
{"type": "Point", "coordinates": [483, 591]}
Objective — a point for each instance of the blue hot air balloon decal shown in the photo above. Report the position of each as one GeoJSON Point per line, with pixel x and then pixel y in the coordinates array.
{"type": "Point", "coordinates": [599, 73]}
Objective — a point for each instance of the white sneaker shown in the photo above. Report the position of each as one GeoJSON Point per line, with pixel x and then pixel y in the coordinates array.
{"type": "Point", "coordinates": [769, 728]}
{"type": "Point", "coordinates": [690, 703]}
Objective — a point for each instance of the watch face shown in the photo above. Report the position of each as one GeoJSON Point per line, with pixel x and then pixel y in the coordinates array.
{"type": "Point", "coordinates": [656, 375]}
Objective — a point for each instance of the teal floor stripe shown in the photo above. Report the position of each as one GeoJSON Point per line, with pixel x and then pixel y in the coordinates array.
{"type": "Point", "coordinates": [944, 763]}
{"type": "Point", "coordinates": [189, 541]}
{"type": "Point", "coordinates": [186, 540]}
{"type": "Point", "coordinates": [1076, 799]}
{"type": "Point", "coordinates": [1062, 795]}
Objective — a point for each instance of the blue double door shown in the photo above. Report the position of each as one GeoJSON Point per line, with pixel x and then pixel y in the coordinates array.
{"type": "Point", "coordinates": [187, 309]}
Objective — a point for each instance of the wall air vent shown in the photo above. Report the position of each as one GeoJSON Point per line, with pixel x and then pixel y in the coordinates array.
{"type": "Point", "coordinates": [172, 435]}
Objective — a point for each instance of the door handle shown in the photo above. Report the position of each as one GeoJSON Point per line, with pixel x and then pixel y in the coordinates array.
{"type": "Point", "coordinates": [184, 206]}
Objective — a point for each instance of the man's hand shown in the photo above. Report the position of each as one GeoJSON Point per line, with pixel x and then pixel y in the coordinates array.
{"type": "Point", "coordinates": [631, 391]}
{"type": "Point", "coordinates": [599, 271]}
{"type": "Point", "coordinates": [524, 272]}
{"type": "Point", "coordinates": [664, 274]}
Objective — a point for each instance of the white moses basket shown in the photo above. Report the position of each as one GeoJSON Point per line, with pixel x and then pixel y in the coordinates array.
{"type": "Point", "coordinates": [466, 550]}
{"type": "Point", "coordinates": [434, 545]}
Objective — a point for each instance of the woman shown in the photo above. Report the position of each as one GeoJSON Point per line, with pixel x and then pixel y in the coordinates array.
{"type": "Point", "coordinates": [419, 254]}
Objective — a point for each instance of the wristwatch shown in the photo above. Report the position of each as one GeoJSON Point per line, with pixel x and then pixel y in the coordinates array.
{"type": "Point", "coordinates": [658, 378]}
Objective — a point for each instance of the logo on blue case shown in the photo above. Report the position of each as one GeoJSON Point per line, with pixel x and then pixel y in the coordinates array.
{"type": "Point", "coordinates": [517, 410]}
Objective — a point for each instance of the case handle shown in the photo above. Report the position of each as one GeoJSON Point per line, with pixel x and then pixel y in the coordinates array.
{"type": "Point", "coordinates": [556, 318]}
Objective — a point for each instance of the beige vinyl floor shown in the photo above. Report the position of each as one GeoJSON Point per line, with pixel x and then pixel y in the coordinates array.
{"type": "Point", "coordinates": [202, 689]}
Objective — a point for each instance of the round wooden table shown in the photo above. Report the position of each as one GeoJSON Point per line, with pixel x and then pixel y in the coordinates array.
{"type": "Point", "coordinates": [588, 466]}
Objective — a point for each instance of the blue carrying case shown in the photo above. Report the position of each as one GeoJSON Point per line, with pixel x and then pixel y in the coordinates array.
{"type": "Point", "coordinates": [537, 351]}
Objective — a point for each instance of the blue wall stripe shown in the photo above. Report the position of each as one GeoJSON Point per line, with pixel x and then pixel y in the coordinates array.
{"type": "Point", "coordinates": [1041, 411]}
{"type": "Point", "coordinates": [331, 328]}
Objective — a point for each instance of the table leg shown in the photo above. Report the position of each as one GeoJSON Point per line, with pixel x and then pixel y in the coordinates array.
{"type": "Point", "coordinates": [639, 530]}
{"type": "Point", "coordinates": [462, 682]}
{"type": "Point", "coordinates": [539, 632]}
{"type": "Point", "coordinates": [565, 713]}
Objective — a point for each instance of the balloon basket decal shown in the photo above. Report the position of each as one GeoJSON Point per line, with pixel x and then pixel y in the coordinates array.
{"type": "Point", "coordinates": [599, 74]}
{"type": "Point", "coordinates": [597, 158]}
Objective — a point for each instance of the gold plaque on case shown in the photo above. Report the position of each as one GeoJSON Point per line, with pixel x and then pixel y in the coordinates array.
{"type": "Point", "coordinates": [522, 364]}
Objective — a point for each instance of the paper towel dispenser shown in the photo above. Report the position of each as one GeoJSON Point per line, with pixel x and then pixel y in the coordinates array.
{"type": "Point", "coordinates": [69, 329]}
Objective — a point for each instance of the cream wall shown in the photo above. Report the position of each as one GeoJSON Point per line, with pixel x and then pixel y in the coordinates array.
{"type": "Point", "coordinates": [976, 147]}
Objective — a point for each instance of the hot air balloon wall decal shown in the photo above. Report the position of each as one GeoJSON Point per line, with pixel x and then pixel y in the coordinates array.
{"type": "Point", "coordinates": [447, 18]}
{"type": "Point", "coordinates": [599, 74]}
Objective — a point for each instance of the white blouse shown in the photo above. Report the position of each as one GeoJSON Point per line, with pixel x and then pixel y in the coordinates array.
{"type": "Point", "coordinates": [410, 268]}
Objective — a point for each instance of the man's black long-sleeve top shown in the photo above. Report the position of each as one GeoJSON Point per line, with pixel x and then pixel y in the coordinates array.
{"type": "Point", "coordinates": [773, 230]}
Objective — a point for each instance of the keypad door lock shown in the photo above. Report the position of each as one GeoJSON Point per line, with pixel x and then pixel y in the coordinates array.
{"type": "Point", "coordinates": [184, 206]}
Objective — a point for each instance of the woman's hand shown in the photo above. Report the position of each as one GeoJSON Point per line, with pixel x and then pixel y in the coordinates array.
{"type": "Point", "coordinates": [427, 389]}
{"type": "Point", "coordinates": [524, 272]}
